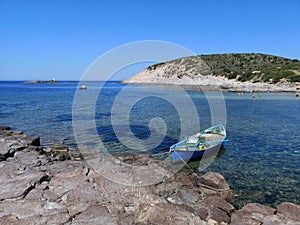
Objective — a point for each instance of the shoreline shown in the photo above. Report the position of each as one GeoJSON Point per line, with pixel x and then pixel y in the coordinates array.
{"type": "Point", "coordinates": [39, 188]}
{"type": "Point", "coordinates": [246, 87]}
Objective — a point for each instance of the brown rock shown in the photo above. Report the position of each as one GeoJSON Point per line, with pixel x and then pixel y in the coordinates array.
{"type": "Point", "coordinates": [185, 196]}
{"type": "Point", "coordinates": [214, 180]}
{"type": "Point", "coordinates": [202, 212]}
{"type": "Point", "coordinates": [94, 214]}
{"type": "Point", "coordinates": [13, 141]}
{"type": "Point", "coordinates": [35, 189]}
{"type": "Point", "coordinates": [83, 196]}
{"type": "Point", "coordinates": [220, 203]}
{"type": "Point", "coordinates": [184, 179]}
{"type": "Point", "coordinates": [61, 183]}
{"type": "Point", "coordinates": [289, 211]}
{"type": "Point", "coordinates": [18, 187]}
{"type": "Point", "coordinates": [28, 158]}
{"type": "Point", "coordinates": [218, 215]}
{"type": "Point", "coordinates": [215, 184]}
{"type": "Point", "coordinates": [8, 219]}
{"type": "Point", "coordinates": [166, 214]}
{"type": "Point", "coordinates": [35, 212]}
{"type": "Point", "coordinates": [251, 213]}
{"type": "Point", "coordinates": [272, 220]}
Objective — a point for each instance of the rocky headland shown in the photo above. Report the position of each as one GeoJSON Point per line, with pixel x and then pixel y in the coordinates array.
{"type": "Point", "coordinates": [228, 72]}
{"type": "Point", "coordinates": [38, 186]}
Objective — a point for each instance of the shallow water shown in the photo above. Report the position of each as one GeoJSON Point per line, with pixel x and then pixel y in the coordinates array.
{"type": "Point", "coordinates": [261, 161]}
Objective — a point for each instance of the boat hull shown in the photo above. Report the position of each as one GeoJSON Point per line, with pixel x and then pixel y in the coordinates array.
{"type": "Point", "coordinates": [193, 147]}
{"type": "Point", "coordinates": [187, 156]}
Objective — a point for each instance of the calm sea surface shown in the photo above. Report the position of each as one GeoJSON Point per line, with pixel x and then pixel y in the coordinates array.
{"type": "Point", "coordinates": [261, 161]}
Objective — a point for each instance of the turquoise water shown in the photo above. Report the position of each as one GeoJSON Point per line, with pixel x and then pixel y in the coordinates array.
{"type": "Point", "coordinates": [261, 161]}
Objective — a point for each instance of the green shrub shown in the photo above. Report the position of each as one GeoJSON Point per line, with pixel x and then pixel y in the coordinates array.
{"type": "Point", "coordinates": [295, 78]}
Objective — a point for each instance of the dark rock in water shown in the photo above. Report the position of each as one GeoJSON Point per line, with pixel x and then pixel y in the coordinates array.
{"type": "Point", "coordinates": [35, 141]}
{"type": "Point", "coordinates": [37, 188]}
{"type": "Point", "coordinates": [5, 128]}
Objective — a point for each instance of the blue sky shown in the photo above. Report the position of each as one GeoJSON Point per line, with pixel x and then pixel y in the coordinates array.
{"type": "Point", "coordinates": [40, 39]}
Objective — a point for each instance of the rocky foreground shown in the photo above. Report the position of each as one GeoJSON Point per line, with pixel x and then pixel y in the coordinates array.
{"type": "Point", "coordinates": [37, 187]}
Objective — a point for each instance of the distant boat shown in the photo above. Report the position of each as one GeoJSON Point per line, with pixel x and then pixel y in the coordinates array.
{"type": "Point", "coordinates": [52, 81]}
{"type": "Point", "coordinates": [83, 87]}
{"type": "Point", "coordinates": [193, 147]}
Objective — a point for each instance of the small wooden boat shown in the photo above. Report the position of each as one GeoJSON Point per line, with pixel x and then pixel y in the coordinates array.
{"type": "Point", "coordinates": [83, 87]}
{"type": "Point", "coordinates": [192, 148]}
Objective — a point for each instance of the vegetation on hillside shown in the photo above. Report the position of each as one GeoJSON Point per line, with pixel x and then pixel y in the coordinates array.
{"type": "Point", "coordinates": [245, 67]}
{"type": "Point", "coordinates": [254, 67]}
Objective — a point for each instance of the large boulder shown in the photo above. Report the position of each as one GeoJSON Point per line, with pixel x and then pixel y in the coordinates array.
{"type": "Point", "coordinates": [286, 213]}
{"type": "Point", "coordinates": [220, 203]}
{"type": "Point", "coordinates": [252, 214]}
{"type": "Point", "coordinates": [289, 211]}
{"type": "Point", "coordinates": [214, 184]}
{"type": "Point", "coordinates": [12, 141]}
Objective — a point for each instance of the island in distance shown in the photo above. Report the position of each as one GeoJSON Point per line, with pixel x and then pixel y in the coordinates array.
{"type": "Point", "coordinates": [231, 72]}
{"type": "Point", "coordinates": [53, 80]}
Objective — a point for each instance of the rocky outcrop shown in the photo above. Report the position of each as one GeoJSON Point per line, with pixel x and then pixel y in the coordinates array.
{"type": "Point", "coordinates": [285, 213]}
{"type": "Point", "coordinates": [53, 81]}
{"type": "Point", "coordinates": [194, 71]}
{"type": "Point", "coordinates": [37, 188]}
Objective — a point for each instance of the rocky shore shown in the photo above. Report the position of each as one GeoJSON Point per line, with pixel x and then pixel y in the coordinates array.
{"type": "Point", "coordinates": [210, 83]}
{"type": "Point", "coordinates": [39, 187]}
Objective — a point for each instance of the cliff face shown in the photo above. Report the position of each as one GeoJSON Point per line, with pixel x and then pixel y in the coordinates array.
{"type": "Point", "coordinates": [184, 71]}
{"type": "Point", "coordinates": [221, 69]}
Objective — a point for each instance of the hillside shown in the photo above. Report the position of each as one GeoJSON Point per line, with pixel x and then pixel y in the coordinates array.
{"type": "Point", "coordinates": [222, 69]}
{"type": "Point", "coordinates": [254, 67]}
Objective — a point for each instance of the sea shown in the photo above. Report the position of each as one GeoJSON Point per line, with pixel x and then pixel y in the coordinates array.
{"type": "Point", "coordinates": [260, 160]}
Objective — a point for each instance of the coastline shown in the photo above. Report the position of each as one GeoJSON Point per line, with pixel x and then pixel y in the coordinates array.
{"type": "Point", "coordinates": [223, 84]}
{"type": "Point", "coordinates": [39, 188]}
